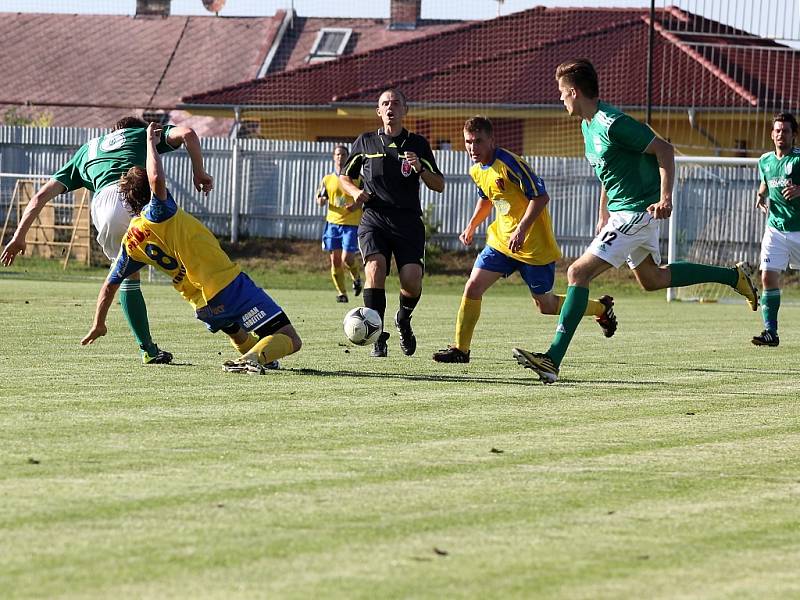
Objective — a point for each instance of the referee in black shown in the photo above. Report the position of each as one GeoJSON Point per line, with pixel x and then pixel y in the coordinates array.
{"type": "Point", "coordinates": [391, 162]}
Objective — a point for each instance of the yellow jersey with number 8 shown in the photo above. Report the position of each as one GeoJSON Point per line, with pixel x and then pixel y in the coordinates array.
{"type": "Point", "coordinates": [176, 243]}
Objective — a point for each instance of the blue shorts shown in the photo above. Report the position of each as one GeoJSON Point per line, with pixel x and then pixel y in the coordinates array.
{"type": "Point", "coordinates": [336, 237]}
{"type": "Point", "coordinates": [240, 302]}
{"type": "Point", "coordinates": [539, 278]}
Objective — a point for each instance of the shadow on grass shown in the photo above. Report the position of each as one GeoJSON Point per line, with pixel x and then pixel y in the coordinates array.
{"type": "Point", "coordinates": [440, 378]}
{"type": "Point", "coordinates": [467, 378]}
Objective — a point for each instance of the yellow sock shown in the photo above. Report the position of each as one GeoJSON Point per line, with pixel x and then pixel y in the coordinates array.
{"type": "Point", "coordinates": [594, 308]}
{"type": "Point", "coordinates": [355, 270]}
{"type": "Point", "coordinates": [468, 314]}
{"type": "Point", "coordinates": [251, 341]}
{"type": "Point", "coordinates": [338, 280]}
{"type": "Point", "coordinates": [271, 348]}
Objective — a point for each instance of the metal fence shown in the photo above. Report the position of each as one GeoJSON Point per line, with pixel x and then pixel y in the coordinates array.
{"type": "Point", "coordinates": [266, 188]}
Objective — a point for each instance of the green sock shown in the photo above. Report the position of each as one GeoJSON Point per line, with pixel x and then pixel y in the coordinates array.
{"type": "Point", "coordinates": [571, 314]}
{"type": "Point", "coordinates": [684, 273]}
{"type": "Point", "coordinates": [770, 303]}
{"type": "Point", "coordinates": [135, 311]}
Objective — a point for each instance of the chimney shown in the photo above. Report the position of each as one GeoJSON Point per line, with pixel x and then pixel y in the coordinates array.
{"type": "Point", "coordinates": [404, 14]}
{"type": "Point", "coordinates": [153, 8]}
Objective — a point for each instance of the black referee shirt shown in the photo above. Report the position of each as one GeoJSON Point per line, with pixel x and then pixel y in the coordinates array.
{"type": "Point", "coordinates": [379, 160]}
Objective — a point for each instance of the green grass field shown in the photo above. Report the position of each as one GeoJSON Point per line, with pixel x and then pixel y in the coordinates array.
{"type": "Point", "coordinates": [665, 464]}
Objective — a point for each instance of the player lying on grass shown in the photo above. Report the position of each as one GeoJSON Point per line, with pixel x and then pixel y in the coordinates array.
{"type": "Point", "coordinates": [168, 238]}
{"type": "Point", "coordinates": [519, 239]}
{"type": "Point", "coordinates": [636, 170]}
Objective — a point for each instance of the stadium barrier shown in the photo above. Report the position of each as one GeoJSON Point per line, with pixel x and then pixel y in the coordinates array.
{"type": "Point", "coordinates": [266, 188]}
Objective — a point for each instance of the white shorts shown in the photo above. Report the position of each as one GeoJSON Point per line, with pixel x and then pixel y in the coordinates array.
{"type": "Point", "coordinates": [779, 249]}
{"type": "Point", "coordinates": [110, 218]}
{"type": "Point", "coordinates": [627, 237]}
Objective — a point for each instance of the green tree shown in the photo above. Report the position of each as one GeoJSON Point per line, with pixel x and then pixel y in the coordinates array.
{"type": "Point", "coordinates": [29, 117]}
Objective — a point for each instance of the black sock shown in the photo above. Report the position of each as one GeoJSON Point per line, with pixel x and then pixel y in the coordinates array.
{"type": "Point", "coordinates": [407, 306]}
{"type": "Point", "coordinates": [375, 298]}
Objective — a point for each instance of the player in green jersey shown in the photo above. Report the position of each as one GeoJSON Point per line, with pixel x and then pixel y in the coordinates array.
{"type": "Point", "coordinates": [636, 169]}
{"type": "Point", "coordinates": [779, 198]}
{"type": "Point", "coordinates": [98, 166]}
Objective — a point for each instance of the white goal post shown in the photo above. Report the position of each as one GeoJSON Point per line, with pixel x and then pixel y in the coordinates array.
{"type": "Point", "coordinates": [714, 219]}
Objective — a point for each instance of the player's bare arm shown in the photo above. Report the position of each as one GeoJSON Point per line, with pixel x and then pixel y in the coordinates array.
{"type": "Point", "coordinates": [602, 216]}
{"type": "Point", "coordinates": [104, 301]}
{"type": "Point", "coordinates": [761, 197]}
{"type": "Point", "coordinates": [352, 190]}
{"type": "Point", "coordinates": [483, 208]}
{"type": "Point", "coordinates": [434, 181]}
{"type": "Point", "coordinates": [535, 208]}
{"type": "Point", "coordinates": [354, 205]}
{"type": "Point", "coordinates": [155, 170]}
{"type": "Point", "coordinates": [665, 155]}
{"type": "Point", "coordinates": [186, 136]}
{"type": "Point", "coordinates": [17, 245]}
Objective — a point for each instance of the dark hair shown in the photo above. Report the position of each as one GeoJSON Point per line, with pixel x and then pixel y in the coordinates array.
{"type": "Point", "coordinates": [135, 188]}
{"type": "Point", "coordinates": [580, 73]}
{"type": "Point", "coordinates": [341, 147]}
{"type": "Point", "coordinates": [130, 123]}
{"type": "Point", "coordinates": [786, 118]}
{"type": "Point", "coordinates": [479, 123]}
{"type": "Point", "coordinates": [397, 93]}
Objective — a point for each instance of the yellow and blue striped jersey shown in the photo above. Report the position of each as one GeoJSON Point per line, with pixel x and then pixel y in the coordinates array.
{"type": "Point", "coordinates": [173, 241]}
{"type": "Point", "coordinates": [509, 183]}
{"type": "Point", "coordinates": [331, 189]}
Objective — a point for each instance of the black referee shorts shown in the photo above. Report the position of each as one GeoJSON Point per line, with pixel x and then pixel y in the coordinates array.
{"type": "Point", "coordinates": [392, 233]}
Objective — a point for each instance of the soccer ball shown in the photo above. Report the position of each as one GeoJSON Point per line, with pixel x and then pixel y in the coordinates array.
{"type": "Point", "coordinates": [362, 325]}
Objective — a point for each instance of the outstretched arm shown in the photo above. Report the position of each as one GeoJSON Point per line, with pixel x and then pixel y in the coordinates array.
{"type": "Point", "coordinates": [155, 170]}
{"type": "Point", "coordinates": [17, 245]}
{"type": "Point", "coordinates": [203, 182]}
{"type": "Point", "coordinates": [104, 300]}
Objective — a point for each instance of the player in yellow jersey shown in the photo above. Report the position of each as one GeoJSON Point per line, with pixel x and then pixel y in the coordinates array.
{"type": "Point", "coordinates": [519, 239]}
{"type": "Point", "coordinates": [224, 298]}
{"type": "Point", "coordinates": [340, 237]}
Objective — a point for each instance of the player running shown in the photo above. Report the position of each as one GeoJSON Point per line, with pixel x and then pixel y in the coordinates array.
{"type": "Point", "coordinates": [168, 238]}
{"type": "Point", "coordinates": [98, 166]}
{"type": "Point", "coordinates": [636, 170]}
{"type": "Point", "coordinates": [519, 239]}
{"type": "Point", "coordinates": [340, 237]}
{"type": "Point", "coordinates": [779, 198]}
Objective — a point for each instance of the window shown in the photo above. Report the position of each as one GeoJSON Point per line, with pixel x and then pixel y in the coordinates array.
{"type": "Point", "coordinates": [330, 43]}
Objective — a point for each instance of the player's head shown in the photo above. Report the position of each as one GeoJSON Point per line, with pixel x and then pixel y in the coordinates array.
{"type": "Point", "coordinates": [340, 154]}
{"type": "Point", "coordinates": [577, 82]}
{"type": "Point", "coordinates": [479, 139]}
{"type": "Point", "coordinates": [130, 123]}
{"type": "Point", "coordinates": [784, 131]}
{"type": "Point", "coordinates": [392, 107]}
{"type": "Point", "coordinates": [135, 187]}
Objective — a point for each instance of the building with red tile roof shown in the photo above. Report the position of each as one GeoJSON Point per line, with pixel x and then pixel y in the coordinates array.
{"type": "Point", "coordinates": [714, 87]}
{"type": "Point", "coordinates": [88, 70]}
